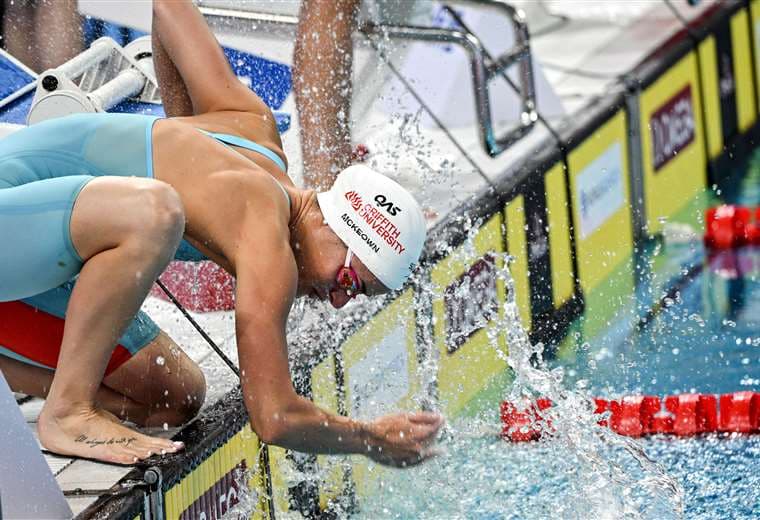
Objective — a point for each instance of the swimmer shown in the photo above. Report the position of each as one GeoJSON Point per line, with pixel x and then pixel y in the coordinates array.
{"type": "Point", "coordinates": [108, 198]}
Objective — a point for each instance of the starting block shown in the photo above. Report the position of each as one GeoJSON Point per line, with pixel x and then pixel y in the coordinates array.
{"type": "Point", "coordinates": [97, 80]}
{"type": "Point", "coordinates": [28, 489]}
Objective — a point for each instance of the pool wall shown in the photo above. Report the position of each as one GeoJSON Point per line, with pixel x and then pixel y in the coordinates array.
{"type": "Point", "coordinates": [574, 218]}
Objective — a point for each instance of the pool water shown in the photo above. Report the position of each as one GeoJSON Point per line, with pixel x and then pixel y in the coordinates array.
{"type": "Point", "coordinates": [487, 478]}
{"type": "Point", "coordinates": [704, 338]}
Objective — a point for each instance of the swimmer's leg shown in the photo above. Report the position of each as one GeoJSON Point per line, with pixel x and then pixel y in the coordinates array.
{"type": "Point", "coordinates": [126, 231]}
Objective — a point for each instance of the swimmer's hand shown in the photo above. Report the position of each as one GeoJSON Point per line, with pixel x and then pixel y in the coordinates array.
{"type": "Point", "coordinates": [404, 439]}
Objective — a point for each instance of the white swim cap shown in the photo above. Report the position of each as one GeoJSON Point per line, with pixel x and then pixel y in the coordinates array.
{"type": "Point", "coordinates": [378, 220]}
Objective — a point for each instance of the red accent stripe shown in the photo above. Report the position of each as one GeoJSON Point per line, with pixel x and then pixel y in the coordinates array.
{"type": "Point", "coordinates": [37, 335]}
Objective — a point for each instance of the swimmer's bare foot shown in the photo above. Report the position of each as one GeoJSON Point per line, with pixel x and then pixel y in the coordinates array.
{"type": "Point", "coordinates": [92, 433]}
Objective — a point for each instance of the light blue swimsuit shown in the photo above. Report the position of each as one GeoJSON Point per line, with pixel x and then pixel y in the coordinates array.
{"type": "Point", "coordinates": [42, 170]}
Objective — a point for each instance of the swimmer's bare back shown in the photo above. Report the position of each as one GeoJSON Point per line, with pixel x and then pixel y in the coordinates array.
{"type": "Point", "coordinates": [200, 91]}
{"type": "Point", "coordinates": [219, 184]}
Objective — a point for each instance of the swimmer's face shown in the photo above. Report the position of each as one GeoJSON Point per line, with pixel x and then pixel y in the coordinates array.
{"type": "Point", "coordinates": [320, 256]}
{"type": "Point", "coordinates": [351, 281]}
{"type": "Point", "coordinates": [324, 262]}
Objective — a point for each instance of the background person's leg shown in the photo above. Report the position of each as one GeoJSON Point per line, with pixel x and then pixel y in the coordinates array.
{"type": "Point", "coordinates": [42, 34]}
{"type": "Point", "coordinates": [57, 32]}
{"type": "Point", "coordinates": [18, 31]}
{"type": "Point", "coordinates": [322, 62]}
{"type": "Point", "coordinates": [126, 231]}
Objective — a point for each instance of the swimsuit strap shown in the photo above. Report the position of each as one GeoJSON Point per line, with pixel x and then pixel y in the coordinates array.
{"type": "Point", "coordinates": [235, 140]}
{"type": "Point", "coordinates": [287, 197]}
{"type": "Point", "coordinates": [254, 147]}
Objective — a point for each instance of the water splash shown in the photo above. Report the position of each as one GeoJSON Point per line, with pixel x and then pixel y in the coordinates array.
{"type": "Point", "coordinates": [604, 488]}
{"type": "Point", "coordinates": [249, 497]}
{"type": "Point", "coordinates": [579, 470]}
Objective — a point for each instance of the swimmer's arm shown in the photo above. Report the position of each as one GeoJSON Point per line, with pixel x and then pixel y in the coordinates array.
{"type": "Point", "coordinates": [265, 292]}
{"type": "Point", "coordinates": [267, 281]}
{"type": "Point", "coordinates": [174, 96]}
{"type": "Point", "coordinates": [266, 287]}
{"type": "Point", "coordinates": [200, 63]}
{"type": "Point", "coordinates": [322, 84]}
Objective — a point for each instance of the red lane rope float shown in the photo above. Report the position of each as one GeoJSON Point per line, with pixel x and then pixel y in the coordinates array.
{"type": "Point", "coordinates": [635, 416]}
{"type": "Point", "coordinates": [730, 226]}
{"type": "Point", "coordinates": [524, 422]}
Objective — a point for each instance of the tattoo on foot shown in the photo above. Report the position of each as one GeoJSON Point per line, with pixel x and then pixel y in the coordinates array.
{"type": "Point", "coordinates": [83, 439]}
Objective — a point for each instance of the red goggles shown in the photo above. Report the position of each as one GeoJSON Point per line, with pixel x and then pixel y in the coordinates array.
{"type": "Point", "coordinates": [347, 279]}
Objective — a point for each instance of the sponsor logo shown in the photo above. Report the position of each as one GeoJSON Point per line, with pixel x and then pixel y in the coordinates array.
{"type": "Point", "coordinates": [384, 229]}
{"type": "Point", "coordinates": [354, 199]}
{"type": "Point", "coordinates": [219, 498]}
{"type": "Point", "coordinates": [470, 302]}
{"type": "Point", "coordinates": [600, 190]}
{"type": "Point", "coordinates": [672, 127]}
{"type": "Point", "coordinates": [382, 201]}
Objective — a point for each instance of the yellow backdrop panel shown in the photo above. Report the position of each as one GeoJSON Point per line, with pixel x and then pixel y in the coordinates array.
{"type": "Point", "coordinates": [755, 37]}
{"type": "Point", "coordinates": [708, 59]}
{"type": "Point", "coordinates": [465, 370]}
{"type": "Point", "coordinates": [210, 481]}
{"type": "Point", "coordinates": [601, 208]}
{"type": "Point", "coordinates": [517, 247]}
{"type": "Point", "coordinates": [563, 284]}
{"type": "Point", "coordinates": [331, 468]}
{"type": "Point", "coordinates": [381, 375]}
{"type": "Point", "coordinates": [746, 109]}
{"type": "Point", "coordinates": [670, 185]}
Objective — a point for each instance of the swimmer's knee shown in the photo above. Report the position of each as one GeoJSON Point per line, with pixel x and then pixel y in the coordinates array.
{"type": "Point", "coordinates": [165, 214]}
{"type": "Point", "coordinates": [195, 387]}
{"type": "Point", "coordinates": [189, 399]}
{"type": "Point", "coordinates": [161, 218]}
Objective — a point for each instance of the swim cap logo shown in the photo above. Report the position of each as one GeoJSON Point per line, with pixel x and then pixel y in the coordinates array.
{"type": "Point", "coordinates": [354, 199]}
{"type": "Point", "coordinates": [382, 201]}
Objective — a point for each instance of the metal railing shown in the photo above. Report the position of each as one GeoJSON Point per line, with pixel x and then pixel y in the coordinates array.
{"type": "Point", "coordinates": [482, 69]}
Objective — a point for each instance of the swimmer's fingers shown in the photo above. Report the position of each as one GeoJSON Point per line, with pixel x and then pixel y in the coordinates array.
{"type": "Point", "coordinates": [426, 418]}
{"type": "Point", "coordinates": [424, 456]}
{"type": "Point", "coordinates": [403, 439]}
{"type": "Point", "coordinates": [425, 426]}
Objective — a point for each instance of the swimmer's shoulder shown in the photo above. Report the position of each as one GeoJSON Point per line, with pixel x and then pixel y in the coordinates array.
{"type": "Point", "coordinates": [265, 190]}
{"type": "Point", "coordinates": [259, 128]}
